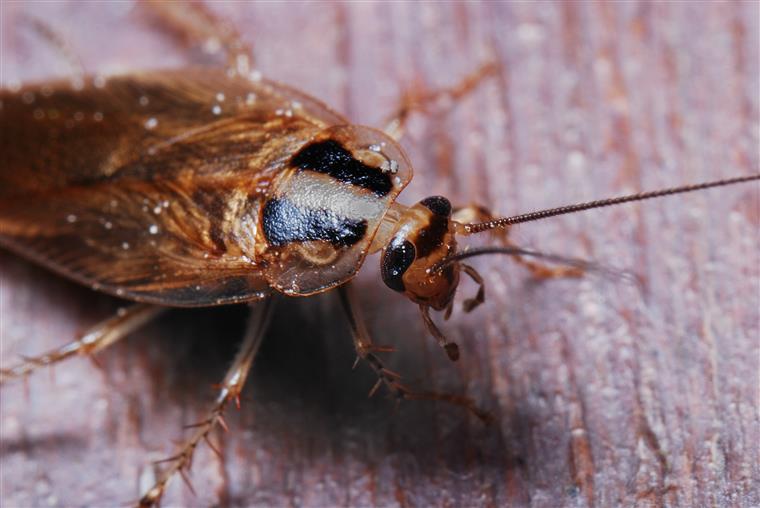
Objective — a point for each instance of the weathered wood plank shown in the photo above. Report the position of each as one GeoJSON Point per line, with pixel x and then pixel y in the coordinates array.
{"type": "Point", "coordinates": [605, 393]}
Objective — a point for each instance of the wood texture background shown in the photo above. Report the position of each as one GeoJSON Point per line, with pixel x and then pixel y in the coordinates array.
{"type": "Point", "coordinates": [606, 394]}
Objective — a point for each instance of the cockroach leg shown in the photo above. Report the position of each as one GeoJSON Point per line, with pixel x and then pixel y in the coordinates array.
{"type": "Point", "coordinates": [457, 400]}
{"type": "Point", "coordinates": [475, 213]}
{"type": "Point", "coordinates": [230, 389]}
{"type": "Point", "coordinates": [99, 337]}
{"type": "Point", "coordinates": [56, 41]}
{"type": "Point", "coordinates": [541, 271]}
{"type": "Point", "coordinates": [448, 311]}
{"type": "Point", "coordinates": [452, 350]}
{"type": "Point", "coordinates": [410, 102]}
{"type": "Point", "coordinates": [192, 24]}
{"type": "Point", "coordinates": [365, 350]}
{"type": "Point", "coordinates": [470, 303]}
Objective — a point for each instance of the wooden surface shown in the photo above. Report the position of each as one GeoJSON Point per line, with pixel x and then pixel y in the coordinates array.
{"type": "Point", "coordinates": [605, 394]}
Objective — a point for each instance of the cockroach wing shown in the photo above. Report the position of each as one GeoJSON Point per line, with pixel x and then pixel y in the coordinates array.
{"type": "Point", "coordinates": [150, 186]}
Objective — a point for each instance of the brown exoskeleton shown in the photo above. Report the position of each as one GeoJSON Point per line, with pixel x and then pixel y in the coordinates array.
{"type": "Point", "coordinates": [195, 188]}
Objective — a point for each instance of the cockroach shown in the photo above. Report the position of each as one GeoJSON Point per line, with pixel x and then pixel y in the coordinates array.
{"type": "Point", "coordinates": [201, 187]}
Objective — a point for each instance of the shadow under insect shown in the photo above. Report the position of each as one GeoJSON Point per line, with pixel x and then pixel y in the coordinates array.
{"type": "Point", "coordinates": [303, 399]}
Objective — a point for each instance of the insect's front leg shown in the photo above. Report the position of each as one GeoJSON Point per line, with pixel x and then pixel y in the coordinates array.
{"type": "Point", "coordinates": [97, 338]}
{"type": "Point", "coordinates": [366, 349]}
{"type": "Point", "coordinates": [229, 389]}
{"type": "Point", "coordinates": [480, 296]}
{"type": "Point", "coordinates": [194, 25]}
{"type": "Point", "coordinates": [473, 213]}
{"type": "Point", "coordinates": [419, 102]}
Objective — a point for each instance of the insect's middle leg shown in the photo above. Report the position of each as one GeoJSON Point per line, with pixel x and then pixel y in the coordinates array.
{"type": "Point", "coordinates": [229, 389]}
{"type": "Point", "coordinates": [470, 214]}
{"type": "Point", "coordinates": [193, 25]}
{"type": "Point", "coordinates": [97, 338]}
{"type": "Point", "coordinates": [411, 102]}
{"type": "Point", "coordinates": [366, 349]}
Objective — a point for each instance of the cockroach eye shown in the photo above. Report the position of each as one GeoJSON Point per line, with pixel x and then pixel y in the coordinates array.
{"type": "Point", "coordinates": [395, 262]}
{"type": "Point", "coordinates": [438, 205]}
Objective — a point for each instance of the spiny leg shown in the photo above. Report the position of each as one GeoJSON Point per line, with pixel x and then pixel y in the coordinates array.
{"type": "Point", "coordinates": [396, 123]}
{"type": "Point", "coordinates": [473, 213]}
{"type": "Point", "coordinates": [195, 25]}
{"type": "Point", "coordinates": [230, 389]}
{"type": "Point", "coordinates": [365, 350]}
{"type": "Point", "coordinates": [98, 337]}
{"type": "Point", "coordinates": [362, 341]}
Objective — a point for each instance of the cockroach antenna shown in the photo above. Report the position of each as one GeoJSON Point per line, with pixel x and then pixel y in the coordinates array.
{"type": "Point", "coordinates": [470, 229]}
{"type": "Point", "coordinates": [586, 266]}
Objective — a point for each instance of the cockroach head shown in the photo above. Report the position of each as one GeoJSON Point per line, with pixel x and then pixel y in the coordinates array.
{"type": "Point", "coordinates": [423, 238]}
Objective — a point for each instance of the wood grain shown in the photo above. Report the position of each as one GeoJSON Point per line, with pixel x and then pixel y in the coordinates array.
{"type": "Point", "coordinates": [606, 394]}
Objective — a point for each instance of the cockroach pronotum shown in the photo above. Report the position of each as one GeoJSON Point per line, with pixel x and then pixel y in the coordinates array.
{"type": "Point", "coordinates": [201, 187]}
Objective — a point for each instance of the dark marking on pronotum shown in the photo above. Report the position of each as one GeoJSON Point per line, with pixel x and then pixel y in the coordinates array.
{"type": "Point", "coordinates": [331, 158]}
{"type": "Point", "coordinates": [431, 236]}
{"type": "Point", "coordinates": [438, 205]}
{"type": "Point", "coordinates": [395, 262]}
{"type": "Point", "coordinates": [286, 222]}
